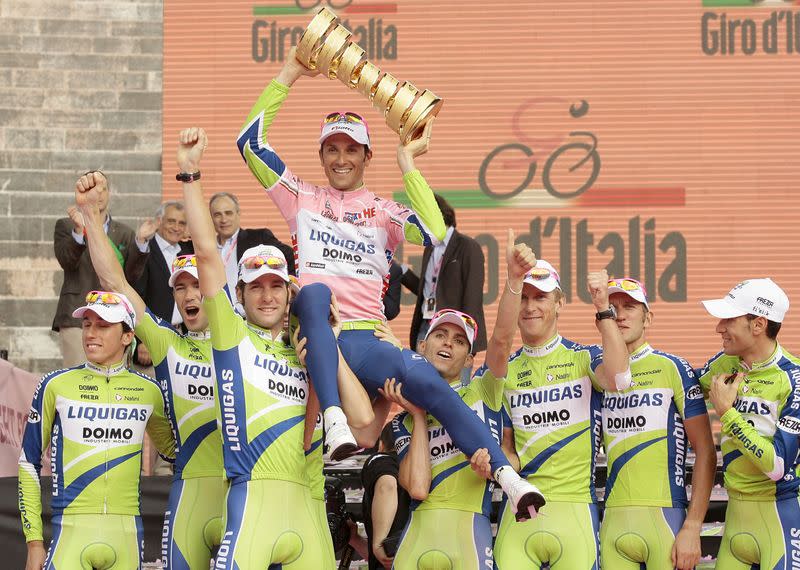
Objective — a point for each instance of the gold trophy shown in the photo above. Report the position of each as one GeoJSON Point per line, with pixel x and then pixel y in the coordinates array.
{"type": "Point", "coordinates": [325, 45]}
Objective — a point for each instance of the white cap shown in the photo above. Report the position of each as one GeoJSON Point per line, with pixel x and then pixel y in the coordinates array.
{"type": "Point", "coordinates": [109, 306]}
{"type": "Point", "coordinates": [359, 132]}
{"type": "Point", "coordinates": [543, 276]}
{"type": "Point", "coordinates": [760, 297]}
{"type": "Point", "coordinates": [631, 287]}
{"type": "Point", "coordinates": [183, 264]}
{"type": "Point", "coordinates": [265, 259]}
{"type": "Point", "coordinates": [462, 320]}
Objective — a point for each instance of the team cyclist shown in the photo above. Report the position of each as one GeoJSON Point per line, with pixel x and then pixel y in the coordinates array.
{"type": "Point", "coordinates": [345, 238]}
{"type": "Point", "coordinates": [182, 362]}
{"type": "Point", "coordinates": [754, 385]}
{"type": "Point", "coordinates": [93, 417]}
{"type": "Point", "coordinates": [552, 425]}
{"type": "Point", "coordinates": [645, 432]}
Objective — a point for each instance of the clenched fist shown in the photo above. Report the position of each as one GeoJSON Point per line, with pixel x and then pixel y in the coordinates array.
{"type": "Point", "coordinates": [191, 144]}
{"type": "Point", "coordinates": [597, 282]}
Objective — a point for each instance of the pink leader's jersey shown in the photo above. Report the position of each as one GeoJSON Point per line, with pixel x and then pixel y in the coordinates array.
{"type": "Point", "coordinates": [345, 240]}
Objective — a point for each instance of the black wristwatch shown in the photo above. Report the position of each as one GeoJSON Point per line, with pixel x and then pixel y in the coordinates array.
{"type": "Point", "coordinates": [609, 313]}
{"type": "Point", "coordinates": [187, 176]}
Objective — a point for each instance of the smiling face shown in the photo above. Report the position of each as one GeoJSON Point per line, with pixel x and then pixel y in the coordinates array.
{"type": "Point", "coordinates": [103, 342]}
{"type": "Point", "coordinates": [344, 161]}
{"type": "Point", "coordinates": [189, 301]}
{"type": "Point", "coordinates": [172, 225]}
{"type": "Point", "coordinates": [632, 319]}
{"type": "Point", "coordinates": [265, 300]}
{"type": "Point", "coordinates": [538, 314]}
{"type": "Point", "coordinates": [447, 348]}
{"type": "Point", "coordinates": [737, 335]}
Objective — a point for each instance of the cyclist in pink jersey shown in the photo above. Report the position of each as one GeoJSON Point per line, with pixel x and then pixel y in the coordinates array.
{"type": "Point", "coordinates": [344, 238]}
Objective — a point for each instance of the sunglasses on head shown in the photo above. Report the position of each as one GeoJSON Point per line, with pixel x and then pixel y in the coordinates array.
{"type": "Point", "coordinates": [627, 284]}
{"type": "Point", "coordinates": [257, 261]}
{"type": "Point", "coordinates": [104, 297]}
{"type": "Point", "coordinates": [541, 273]}
{"type": "Point", "coordinates": [184, 261]}
{"type": "Point", "coordinates": [468, 320]}
{"type": "Point", "coordinates": [346, 116]}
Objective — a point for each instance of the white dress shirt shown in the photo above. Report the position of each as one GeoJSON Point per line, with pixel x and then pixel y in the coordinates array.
{"type": "Point", "coordinates": [170, 252]}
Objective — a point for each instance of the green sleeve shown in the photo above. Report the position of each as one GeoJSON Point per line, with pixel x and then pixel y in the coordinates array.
{"type": "Point", "coordinates": [262, 160]}
{"type": "Point", "coordinates": [423, 203]}
{"type": "Point", "coordinates": [156, 335]}
{"type": "Point", "coordinates": [488, 387]}
{"type": "Point", "coordinates": [227, 328]}
{"type": "Point", "coordinates": [35, 440]}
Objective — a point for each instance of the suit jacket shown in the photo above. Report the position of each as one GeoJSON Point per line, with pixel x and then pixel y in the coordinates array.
{"type": "Point", "coordinates": [79, 275]}
{"type": "Point", "coordinates": [459, 285]}
{"type": "Point", "coordinates": [153, 285]}
{"type": "Point", "coordinates": [391, 300]}
{"type": "Point", "coordinates": [248, 238]}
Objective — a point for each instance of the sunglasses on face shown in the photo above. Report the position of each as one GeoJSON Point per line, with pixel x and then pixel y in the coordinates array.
{"type": "Point", "coordinates": [258, 261]}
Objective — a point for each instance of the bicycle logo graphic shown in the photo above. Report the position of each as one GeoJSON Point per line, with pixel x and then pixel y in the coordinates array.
{"type": "Point", "coordinates": [510, 152]}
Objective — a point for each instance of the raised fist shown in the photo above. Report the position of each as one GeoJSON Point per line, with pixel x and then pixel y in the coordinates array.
{"type": "Point", "coordinates": [597, 282]}
{"type": "Point", "coordinates": [519, 257]}
{"type": "Point", "coordinates": [191, 144]}
{"type": "Point", "coordinates": [89, 189]}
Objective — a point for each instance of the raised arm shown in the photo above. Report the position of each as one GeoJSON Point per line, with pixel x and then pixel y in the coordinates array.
{"type": "Point", "coordinates": [104, 260]}
{"type": "Point", "coordinates": [412, 448]}
{"type": "Point", "coordinates": [426, 225]}
{"type": "Point", "coordinates": [519, 260]}
{"type": "Point", "coordinates": [614, 374]}
{"type": "Point", "coordinates": [191, 145]}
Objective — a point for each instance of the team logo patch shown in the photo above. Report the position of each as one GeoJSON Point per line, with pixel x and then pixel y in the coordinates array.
{"type": "Point", "coordinates": [694, 393]}
{"type": "Point", "coordinates": [34, 417]}
{"type": "Point", "coordinates": [789, 425]}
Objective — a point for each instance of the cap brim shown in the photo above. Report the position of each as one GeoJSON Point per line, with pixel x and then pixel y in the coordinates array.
{"type": "Point", "coordinates": [722, 309]}
{"type": "Point", "coordinates": [632, 294]}
{"type": "Point", "coordinates": [543, 285]}
{"type": "Point", "coordinates": [190, 270]}
{"type": "Point", "coordinates": [453, 320]}
{"type": "Point", "coordinates": [106, 313]}
{"type": "Point", "coordinates": [251, 275]}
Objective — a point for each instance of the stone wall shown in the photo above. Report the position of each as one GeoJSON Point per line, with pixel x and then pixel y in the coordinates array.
{"type": "Point", "coordinates": [80, 88]}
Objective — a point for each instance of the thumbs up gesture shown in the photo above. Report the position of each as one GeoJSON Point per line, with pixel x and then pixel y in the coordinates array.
{"type": "Point", "coordinates": [519, 257]}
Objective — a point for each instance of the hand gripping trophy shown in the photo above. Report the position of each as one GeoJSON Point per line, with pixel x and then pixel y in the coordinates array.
{"type": "Point", "coordinates": [325, 45]}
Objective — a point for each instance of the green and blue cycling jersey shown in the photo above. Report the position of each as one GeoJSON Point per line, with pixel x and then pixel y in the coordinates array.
{"type": "Point", "coordinates": [760, 433]}
{"type": "Point", "coordinates": [262, 390]}
{"type": "Point", "coordinates": [643, 431]}
{"type": "Point", "coordinates": [183, 366]}
{"type": "Point", "coordinates": [315, 462]}
{"type": "Point", "coordinates": [94, 419]}
{"type": "Point", "coordinates": [552, 401]}
{"type": "Point", "coordinates": [454, 485]}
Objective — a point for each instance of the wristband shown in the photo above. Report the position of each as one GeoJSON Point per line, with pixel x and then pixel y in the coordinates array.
{"type": "Point", "coordinates": [187, 177]}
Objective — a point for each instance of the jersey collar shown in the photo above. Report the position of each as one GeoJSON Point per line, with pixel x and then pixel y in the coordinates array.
{"type": "Point", "coordinates": [771, 361]}
{"type": "Point", "coordinates": [199, 335]}
{"type": "Point", "coordinates": [263, 333]}
{"type": "Point", "coordinates": [545, 349]}
{"type": "Point", "coordinates": [641, 352]}
{"type": "Point", "coordinates": [106, 370]}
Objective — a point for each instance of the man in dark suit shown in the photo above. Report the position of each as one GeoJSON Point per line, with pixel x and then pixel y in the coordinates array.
{"type": "Point", "coordinates": [232, 240]}
{"type": "Point", "coordinates": [153, 285]}
{"type": "Point", "coordinates": [79, 276]}
{"type": "Point", "coordinates": [451, 277]}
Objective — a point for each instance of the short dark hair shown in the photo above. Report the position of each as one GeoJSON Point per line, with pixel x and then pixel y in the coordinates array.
{"type": "Point", "coordinates": [773, 327]}
{"type": "Point", "coordinates": [387, 438]}
{"type": "Point", "coordinates": [448, 213]}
